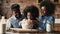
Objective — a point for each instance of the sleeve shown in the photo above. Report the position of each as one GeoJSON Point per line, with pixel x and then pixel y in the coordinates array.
{"type": "Point", "coordinates": [39, 18]}
{"type": "Point", "coordinates": [52, 20]}
{"type": "Point", "coordinates": [20, 23]}
{"type": "Point", "coordinates": [40, 24]}
{"type": "Point", "coordinates": [8, 23]}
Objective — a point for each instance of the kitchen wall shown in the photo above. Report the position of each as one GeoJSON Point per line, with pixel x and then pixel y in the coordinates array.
{"type": "Point", "coordinates": [6, 5]}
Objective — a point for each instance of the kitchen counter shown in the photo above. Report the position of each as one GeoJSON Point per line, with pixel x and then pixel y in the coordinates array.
{"type": "Point", "coordinates": [29, 31]}
{"type": "Point", "coordinates": [25, 30]}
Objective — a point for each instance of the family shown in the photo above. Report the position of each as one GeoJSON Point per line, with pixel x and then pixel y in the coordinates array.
{"type": "Point", "coordinates": [30, 19]}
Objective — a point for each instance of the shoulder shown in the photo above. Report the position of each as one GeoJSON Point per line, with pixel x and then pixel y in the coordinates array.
{"type": "Point", "coordinates": [23, 20]}
{"type": "Point", "coordinates": [11, 18]}
{"type": "Point", "coordinates": [40, 17]}
{"type": "Point", "coordinates": [51, 18]}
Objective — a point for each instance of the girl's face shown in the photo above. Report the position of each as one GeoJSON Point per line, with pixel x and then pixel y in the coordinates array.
{"type": "Point", "coordinates": [29, 16]}
{"type": "Point", "coordinates": [43, 10]}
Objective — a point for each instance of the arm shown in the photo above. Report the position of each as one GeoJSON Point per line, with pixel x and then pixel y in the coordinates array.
{"type": "Point", "coordinates": [52, 21]}
{"type": "Point", "coordinates": [8, 25]}
{"type": "Point", "coordinates": [35, 21]}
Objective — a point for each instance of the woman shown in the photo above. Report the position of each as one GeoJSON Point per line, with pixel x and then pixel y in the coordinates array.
{"type": "Point", "coordinates": [31, 13]}
{"type": "Point", "coordinates": [47, 11]}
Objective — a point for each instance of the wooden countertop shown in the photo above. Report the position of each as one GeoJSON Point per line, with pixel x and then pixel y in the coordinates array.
{"type": "Point", "coordinates": [19, 30]}
{"type": "Point", "coordinates": [25, 30]}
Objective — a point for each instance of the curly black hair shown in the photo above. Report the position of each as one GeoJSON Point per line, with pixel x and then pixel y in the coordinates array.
{"type": "Point", "coordinates": [50, 7]}
{"type": "Point", "coordinates": [33, 10]}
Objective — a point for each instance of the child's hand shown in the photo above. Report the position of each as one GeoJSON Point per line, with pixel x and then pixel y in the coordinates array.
{"type": "Point", "coordinates": [30, 22]}
{"type": "Point", "coordinates": [27, 24]}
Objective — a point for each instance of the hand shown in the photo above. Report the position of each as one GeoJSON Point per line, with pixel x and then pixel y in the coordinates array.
{"type": "Point", "coordinates": [27, 24]}
{"type": "Point", "coordinates": [30, 22]}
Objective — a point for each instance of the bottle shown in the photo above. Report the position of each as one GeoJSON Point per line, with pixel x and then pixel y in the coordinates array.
{"type": "Point", "coordinates": [2, 25]}
{"type": "Point", "coordinates": [48, 26]}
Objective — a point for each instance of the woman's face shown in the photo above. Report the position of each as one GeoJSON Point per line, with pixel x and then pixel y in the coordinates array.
{"type": "Point", "coordinates": [29, 16]}
{"type": "Point", "coordinates": [43, 10]}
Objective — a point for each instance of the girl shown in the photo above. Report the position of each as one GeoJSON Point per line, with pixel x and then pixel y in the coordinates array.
{"type": "Point", "coordinates": [31, 13]}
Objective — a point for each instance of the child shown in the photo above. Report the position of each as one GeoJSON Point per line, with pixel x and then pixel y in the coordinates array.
{"type": "Point", "coordinates": [31, 14]}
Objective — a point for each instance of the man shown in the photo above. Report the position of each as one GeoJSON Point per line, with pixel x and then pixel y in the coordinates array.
{"type": "Point", "coordinates": [13, 21]}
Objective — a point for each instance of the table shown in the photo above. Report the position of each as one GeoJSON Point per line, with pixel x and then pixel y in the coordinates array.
{"type": "Point", "coordinates": [19, 30]}
{"type": "Point", "coordinates": [29, 31]}
{"type": "Point", "coordinates": [33, 33]}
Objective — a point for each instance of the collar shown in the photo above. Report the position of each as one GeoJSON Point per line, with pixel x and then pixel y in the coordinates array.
{"type": "Point", "coordinates": [14, 17]}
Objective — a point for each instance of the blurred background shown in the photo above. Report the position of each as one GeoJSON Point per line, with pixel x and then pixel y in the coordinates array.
{"type": "Point", "coordinates": [6, 4]}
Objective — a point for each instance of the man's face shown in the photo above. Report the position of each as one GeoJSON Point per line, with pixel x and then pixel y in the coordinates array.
{"type": "Point", "coordinates": [16, 14]}
{"type": "Point", "coordinates": [43, 10]}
